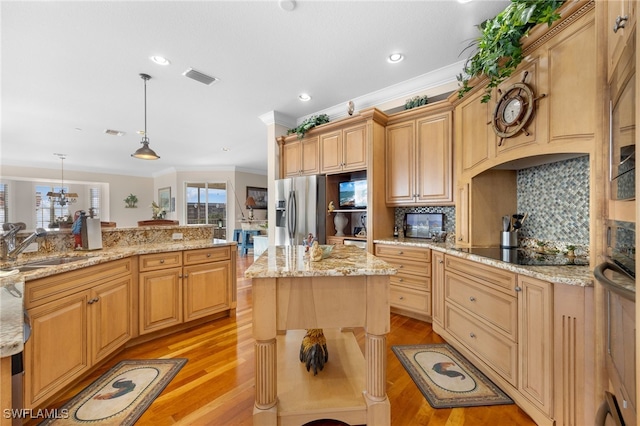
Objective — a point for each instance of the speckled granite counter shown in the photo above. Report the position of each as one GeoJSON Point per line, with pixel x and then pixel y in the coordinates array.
{"type": "Point", "coordinates": [571, 275]}
{"type": "Point", "coordinates": [11, 315]}
{"type": "Point", "coordinates": [286, 261]}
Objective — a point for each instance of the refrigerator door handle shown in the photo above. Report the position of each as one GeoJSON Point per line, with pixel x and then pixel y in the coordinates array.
{"type": "Point", "coordinates": [291, 219]}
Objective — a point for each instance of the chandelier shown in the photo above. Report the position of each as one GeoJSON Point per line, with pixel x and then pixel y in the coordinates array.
{"type": "Point", "coordinates": [62, 198]}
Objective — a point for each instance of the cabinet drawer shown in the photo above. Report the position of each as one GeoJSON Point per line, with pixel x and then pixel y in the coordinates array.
{"type": "Point", "coordinates": [421, 284]}
{"type": "Point", "coordinates": [413, 300]}
{"type": "Point", "coordinates": [214, 254]}
{"type": "Point", "coordinates": [404, 252]}
{"type": "Point", "coordinates": [151, 262]}
{"type": "Point", "coordinates": [409, 268]}
{"type": "Point", "coordinates": [495, 307]}
{"type": "Point", "coordinates": [498, 278]}
{"type": "Point", "coordinates": [499, 353]}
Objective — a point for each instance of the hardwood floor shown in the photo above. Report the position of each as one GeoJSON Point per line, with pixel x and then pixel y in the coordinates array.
{"type": "Point", "coordinates": [216, 386]}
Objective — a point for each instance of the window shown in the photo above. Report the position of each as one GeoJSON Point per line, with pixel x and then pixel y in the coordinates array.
{"type": "Point", "coordinates": [4, 203]}
{"type": "Point", "coordinates": [94, 201]}
{"type": "Point", "coordinates": [206, 203]}
{"type": "Point", "coordinates": [49, 214]}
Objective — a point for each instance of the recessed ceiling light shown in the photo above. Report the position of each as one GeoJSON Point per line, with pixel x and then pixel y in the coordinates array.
{"type": "Point", "coordinates": [160, 60]}
{"type": "Point", "coordinates": [287, 5]}
{"type": "Point", "coordinates": [304, 97]}
{"type": "Point", "coordinates": [114, 132]}
{"type": "Point", "coordinates": [394, 58]}
{"type": "Point", "coordinates": [226, 149]}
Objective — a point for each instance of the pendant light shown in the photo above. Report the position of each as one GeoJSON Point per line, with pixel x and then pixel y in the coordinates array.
{"type": "Point", "coordinates": [145, 153]}
{"type": "Point", "coordinates": [62, 198]}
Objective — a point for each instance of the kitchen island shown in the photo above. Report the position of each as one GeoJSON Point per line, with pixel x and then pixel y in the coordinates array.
{"type": "Point", "coordinates": [348, 289]}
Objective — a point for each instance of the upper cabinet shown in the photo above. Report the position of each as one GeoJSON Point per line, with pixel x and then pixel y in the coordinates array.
{"type": "Point", "coordinates": [419, 159]}
{"type": "Point", "coordinates": [300, 157]}
{"type": "Point", "coordinates": [620, 21]}
{"type": "Point", "coordinates": [344, 150]}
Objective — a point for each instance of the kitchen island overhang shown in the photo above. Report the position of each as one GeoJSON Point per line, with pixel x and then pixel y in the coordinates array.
{"type": "Point", "coordinates": [348, 289]}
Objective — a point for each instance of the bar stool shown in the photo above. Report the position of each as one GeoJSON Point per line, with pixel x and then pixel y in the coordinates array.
{"type": "Point", "coordinates": [236, 235]}
{"type": "Point", "coordinates": [246, 237]}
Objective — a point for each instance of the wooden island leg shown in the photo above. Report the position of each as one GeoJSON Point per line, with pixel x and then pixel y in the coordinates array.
{"type": "Point", "coordinates": [377, 327]}
{"type": "Point", "coordinates": [265, 411]}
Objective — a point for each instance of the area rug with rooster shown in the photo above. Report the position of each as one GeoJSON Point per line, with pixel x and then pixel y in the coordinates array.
{"type": "Point", "coordinates": [121, 395]}
{"type": "Point", "coordinates": [446, 378]}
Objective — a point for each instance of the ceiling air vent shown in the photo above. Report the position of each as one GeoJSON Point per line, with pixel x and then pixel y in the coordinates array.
{"type": "Point", "coordinates": [113, 132]}
{"type": "Point", "coordinates": [198, 76]}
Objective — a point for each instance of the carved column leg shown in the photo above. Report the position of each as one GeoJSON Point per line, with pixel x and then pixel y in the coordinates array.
{"type": "Point", "coordinates": [266, 374]}
{"type": "Point", "coordinates": [376, 357]}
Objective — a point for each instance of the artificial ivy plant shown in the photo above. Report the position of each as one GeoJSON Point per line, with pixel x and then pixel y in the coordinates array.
{"type": "Point", "coordinates": [498, 49]}
{"type": "Point", "coordinates": [309, 123]}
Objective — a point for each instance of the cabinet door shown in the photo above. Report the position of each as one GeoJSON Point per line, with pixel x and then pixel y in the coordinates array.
{"type": "Point", "coordinates": [354, 148]}
{"type": "Point", "coordinates": [437, 287]}
{"type": "Point", "coordinates": [206, 289]}
{"type": "Point", "coordinates": [400, 152]}
{"type": "Point", "coordinates": [474, 136]}
{"type": "Point", "coordinates": [310, 160]}
{"type": "Point", "coordinates": [160, 299]}
{"type": "Point", "coordinates": [462, 214]}
{"type": "Point", "coordinates": [56, 353]}
{"type": "Point", "coordinates": [535, 346]}
{"type": "Point", "coordinates": [433, 152]}
{"type": "Point", "coordinates": [331, 152]}
{"type": "Point", "coordinates": [621, 18]}
{"type": "Point", "coordinates": [110, 315]}
{"type": "Point", "coordinates": [292, 157]}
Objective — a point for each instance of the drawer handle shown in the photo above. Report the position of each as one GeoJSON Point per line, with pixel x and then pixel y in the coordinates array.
{"type": "Point", "coordinates": [518, 288]}
{"type": "Point", "coordinates": [161, 260]}
{"type": "Point", "coordinates": [620, 23]}
{"type": "Point", "coordinates": [472, 335]}
{"type": "Point", "coordinates": [472, 299]}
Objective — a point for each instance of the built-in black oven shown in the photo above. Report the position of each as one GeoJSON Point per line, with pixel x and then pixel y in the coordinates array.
{"type": "Point", "coordinates": [622, 154]}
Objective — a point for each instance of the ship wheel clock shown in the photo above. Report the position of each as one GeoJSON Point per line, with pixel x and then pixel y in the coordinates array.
{"type": "Point", "coordinates": [514, 110]}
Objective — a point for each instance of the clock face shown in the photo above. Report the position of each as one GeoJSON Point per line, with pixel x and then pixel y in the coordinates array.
{"type": "Point", "coordinates": [512, 110]}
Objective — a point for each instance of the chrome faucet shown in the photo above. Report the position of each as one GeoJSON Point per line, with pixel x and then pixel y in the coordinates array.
{"type": "Point", "coordinates": [9, 249]}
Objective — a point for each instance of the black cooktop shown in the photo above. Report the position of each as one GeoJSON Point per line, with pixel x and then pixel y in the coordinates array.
{"type": "Point", "coordinates": [526, 257]}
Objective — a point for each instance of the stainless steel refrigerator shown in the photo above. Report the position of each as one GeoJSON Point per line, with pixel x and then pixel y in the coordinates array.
{"type": "Point", "coordinates": [300, 209]}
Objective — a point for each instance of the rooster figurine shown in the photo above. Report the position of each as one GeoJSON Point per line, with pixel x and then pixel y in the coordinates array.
{"type": "Point", "coordinates": [313, 350]}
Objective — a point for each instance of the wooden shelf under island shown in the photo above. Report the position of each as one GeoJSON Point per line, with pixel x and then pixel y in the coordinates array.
{"type": "Point", "coordinates": [348, 289]}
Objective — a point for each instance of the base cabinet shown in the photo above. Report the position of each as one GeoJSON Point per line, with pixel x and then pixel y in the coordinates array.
{"type": "Point", "coordinates": [533, 338]}
{"type": "Point", "coordinates": [410, 288]}
{"type": "Point", "coordinates": [160, 299]}
{"type": "Point", "coordinates": [72, 333]}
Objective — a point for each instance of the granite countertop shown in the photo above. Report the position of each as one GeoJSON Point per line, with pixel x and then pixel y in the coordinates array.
{"type": "Point", "coordinates": [288, 261]}
{"type": "Point", "coordinates": [11, 315]}
{"type": "Point", "coordinates": [570, 275]}
{"type": "Point", "coordinates": [12, 286]}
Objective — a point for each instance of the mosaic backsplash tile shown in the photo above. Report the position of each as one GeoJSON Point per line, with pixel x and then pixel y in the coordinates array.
{"type": "Point", "coordinates": [556, 198]}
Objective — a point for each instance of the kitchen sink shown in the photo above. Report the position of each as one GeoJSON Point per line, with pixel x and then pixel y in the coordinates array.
{"type": "Point", "coordinates": [47, 263]}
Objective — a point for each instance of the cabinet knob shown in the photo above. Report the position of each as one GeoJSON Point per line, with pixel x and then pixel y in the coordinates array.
{"type": "Point", "coordinates": [186, 275]}
{"type": "Point", "coordinates": [460, 239]}
{"type": "Point", "coordinates": [180, 276]}
{"type": "Point", "coordinates": [400, 252]}
{"type": "Point", "coordinates": [472, 335]}
{"type": "Point", "coordinates": [401, 298]}
{"type": "Point", "coordinates": [620, 22]}
{"type": "Point", "coordinates": [208, 254]}
{"type": "Point", "coordinates": [94, 300]}
{"type": "Point", "coordinates": [161, 260]}
{"type": "Point", "coordinates": [440, 261]}
{"type": "Point", "coordinates": [472, 299]}
{"type": "Point", "coordinates": [401, 279]}
{"type": "Point", "coordinates": [400, 266]}
{"type": "Point", "coordinates": [518, 288]}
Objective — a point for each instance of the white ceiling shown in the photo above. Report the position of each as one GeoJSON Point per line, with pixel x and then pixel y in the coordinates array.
{"type": "Point", "coordinates": [71, 69]}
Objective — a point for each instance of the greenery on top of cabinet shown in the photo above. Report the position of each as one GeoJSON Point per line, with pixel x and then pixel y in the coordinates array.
{"type": "Point", "coordinates": [309, 123]}
{"type": "Point", "coordinates": [498, 49]}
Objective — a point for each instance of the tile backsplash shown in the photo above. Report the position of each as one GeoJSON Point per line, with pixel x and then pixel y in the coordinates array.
{"type": "Point", "coordinates": [556, 198]}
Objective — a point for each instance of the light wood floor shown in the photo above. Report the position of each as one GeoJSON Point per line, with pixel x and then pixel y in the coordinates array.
{"type": "Point", "coordinates": [216, 386]}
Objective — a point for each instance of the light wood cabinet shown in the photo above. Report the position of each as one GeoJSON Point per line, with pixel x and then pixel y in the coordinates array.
{"type": "Point", "coordinates": [410, 288]}
{"type": "Point", "coordinates": [195, 284]}
{"type": "Point", "coordinates": [344, 150]}
{"type": "Point", "coordinates": [535, 343]}
{"type": "Point", "coordinates": [419, 161]}
{"type": "Point", "coordinates": [475, 139]}
{"type": "Point", "coordinates": [437, 287]}
{"type": "Point", "coordinates": [78, 318]}
{"type": "Point", "coordinates": [620, 22]}
{"type": "Point", "coordinates": [300, 157]}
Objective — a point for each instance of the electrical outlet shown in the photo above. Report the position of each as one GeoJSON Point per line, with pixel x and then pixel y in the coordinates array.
{"type": "Point", "coordinates": [31, 248]}
{"type": "Point", "coordinates": [177, 235]}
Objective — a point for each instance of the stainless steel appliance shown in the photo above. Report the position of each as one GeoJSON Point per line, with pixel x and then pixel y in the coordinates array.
{"type": "Point", "coordinates": [300, 209]}
{"type": "Point", "coordinates": [617, 277]}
